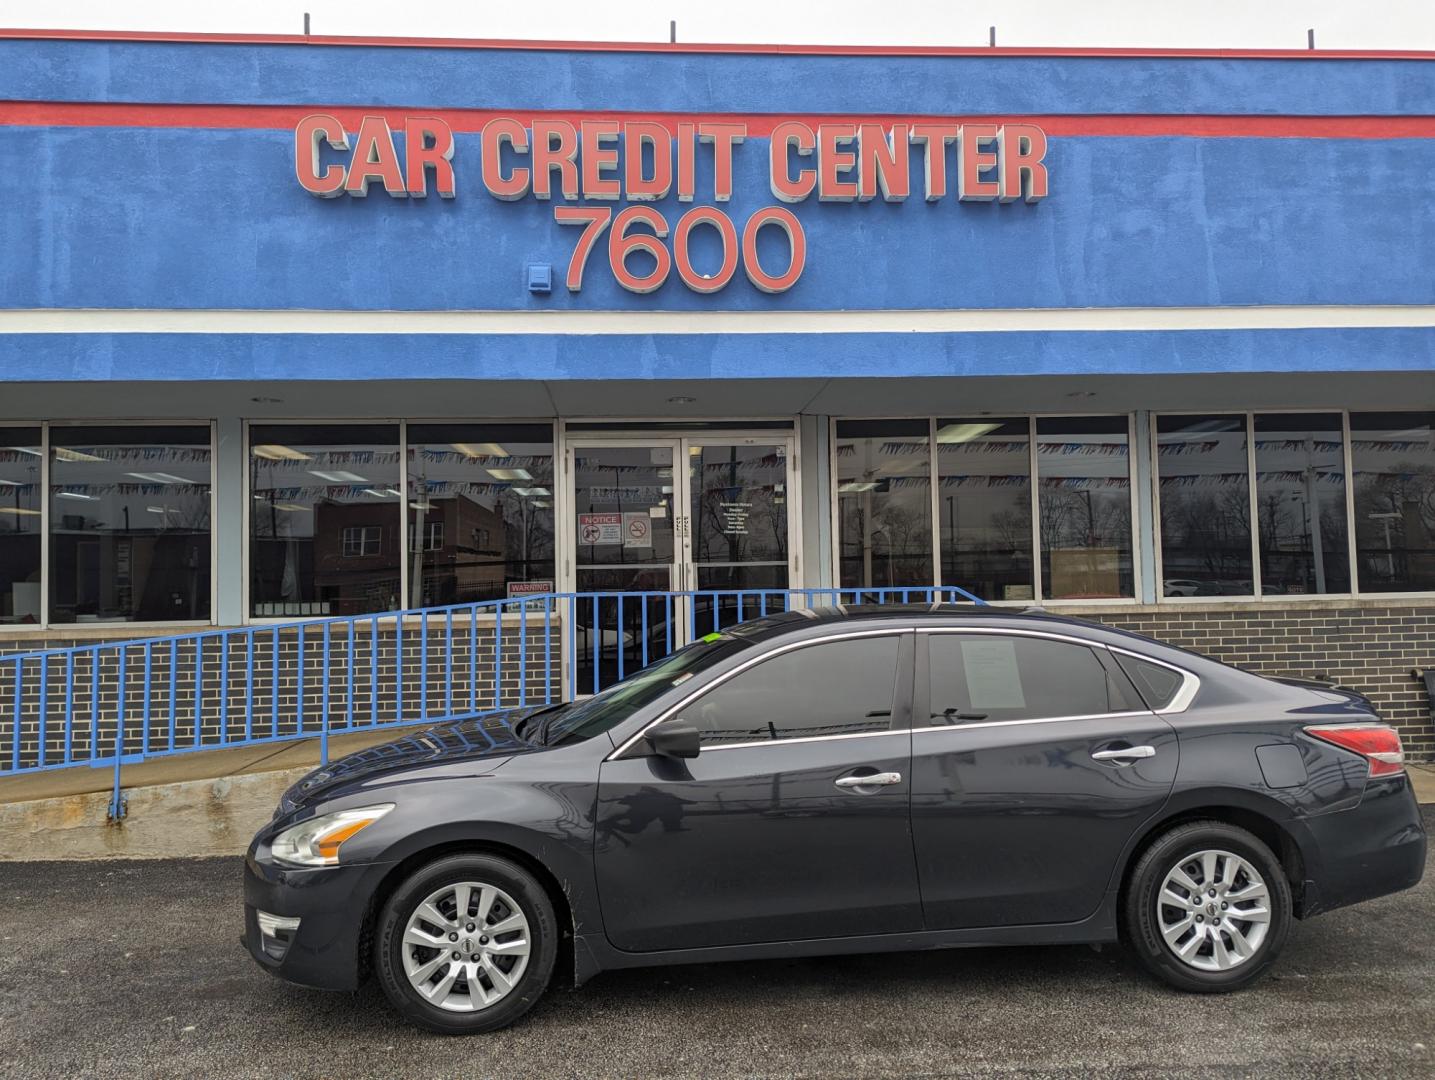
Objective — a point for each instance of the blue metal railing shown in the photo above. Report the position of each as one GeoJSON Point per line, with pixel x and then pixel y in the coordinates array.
{"type": "Point", "coordinates": [114, 703]}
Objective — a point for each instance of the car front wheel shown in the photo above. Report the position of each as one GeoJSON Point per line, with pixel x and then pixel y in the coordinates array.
{"type": "Point", "coordinates": [466, 944]}
{"type": "Point", "coordinates": [1208, 908]}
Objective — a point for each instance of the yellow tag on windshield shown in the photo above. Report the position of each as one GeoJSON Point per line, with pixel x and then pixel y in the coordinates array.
{"type": "Point", "coordinates": [714, 636]}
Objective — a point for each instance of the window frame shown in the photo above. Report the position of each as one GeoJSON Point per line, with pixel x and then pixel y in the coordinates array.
{"type": "Point", "coordinates": [44, 624]}
{"type": "Point", "coordinates": [901, 695]}
{"type": "Point", "coordinates": [922, 686]}
{"type": "Point", "coordinates": [405, 549]}
{"type": "Point", "coordinates": [363, 538]}
{"type": "Point", "coordinates": [1034, 479]}
{"type": "Point", "coordinates": [1258, 596]}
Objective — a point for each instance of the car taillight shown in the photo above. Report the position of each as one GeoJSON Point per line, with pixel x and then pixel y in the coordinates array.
{"type": "Point", "coordinates": [1377, 743]}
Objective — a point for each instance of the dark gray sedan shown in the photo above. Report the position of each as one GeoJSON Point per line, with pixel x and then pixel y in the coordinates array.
{"type": "Point", "coordinates": [840, 781]}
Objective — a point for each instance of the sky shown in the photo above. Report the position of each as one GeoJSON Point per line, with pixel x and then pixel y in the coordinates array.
{"type": "Point", "coordinates": [1339, 24]}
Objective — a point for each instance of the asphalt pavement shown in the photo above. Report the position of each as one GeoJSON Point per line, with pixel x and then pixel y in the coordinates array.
{"type": "Point", "coordinates": [133, 969]}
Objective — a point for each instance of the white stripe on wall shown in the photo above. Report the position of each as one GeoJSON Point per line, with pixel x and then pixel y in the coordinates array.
{"type": "Point", "coordinates": [129, 321]}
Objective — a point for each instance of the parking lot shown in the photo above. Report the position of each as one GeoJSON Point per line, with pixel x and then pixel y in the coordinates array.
{"type": "Point", "coordinates": [134, 969]}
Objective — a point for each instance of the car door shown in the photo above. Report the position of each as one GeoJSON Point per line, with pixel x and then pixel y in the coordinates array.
{"type": "Point", "coordinates": [1033, 763]}
{"type": "Point", "coordinates": [793, 820]}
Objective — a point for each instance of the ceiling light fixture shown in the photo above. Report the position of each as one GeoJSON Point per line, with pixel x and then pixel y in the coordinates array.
{"type": "Point", "coordinates": [275, 452]}
{"type": "Point", "coordinates": [960, 433]}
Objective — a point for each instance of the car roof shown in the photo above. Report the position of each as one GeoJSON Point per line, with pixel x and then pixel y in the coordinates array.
{"type": "Point", "coordinates": [833, 616]}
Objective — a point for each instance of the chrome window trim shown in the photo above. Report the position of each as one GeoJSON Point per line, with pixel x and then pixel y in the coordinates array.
{"type": "Point", "coordinates": [807, 739]}
{"type": "Point", "coordinates": [668, 714]}
{"type": "Point", "coordinates": [1030, 720]}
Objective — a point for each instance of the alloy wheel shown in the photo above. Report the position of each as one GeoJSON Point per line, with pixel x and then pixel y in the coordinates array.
{"type": "Point", "coordinates": [466, 946]}
{"type": "Point", "coordinates": [1213, 910]}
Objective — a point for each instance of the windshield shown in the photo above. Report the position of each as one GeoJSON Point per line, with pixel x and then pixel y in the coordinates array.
{"type": "Point", "coordinates": [602, 711]}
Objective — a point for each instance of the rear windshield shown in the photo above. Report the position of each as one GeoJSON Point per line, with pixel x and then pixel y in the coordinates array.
{"type": "Point", "coordinates": [605, 710]}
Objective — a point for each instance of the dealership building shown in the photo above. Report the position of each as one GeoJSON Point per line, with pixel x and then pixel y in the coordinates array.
{"type": "Point", "coordinates": [295, 328]}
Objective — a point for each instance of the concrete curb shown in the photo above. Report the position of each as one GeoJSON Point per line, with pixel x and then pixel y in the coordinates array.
{"type": "Point", "coordinates": [166, 821]}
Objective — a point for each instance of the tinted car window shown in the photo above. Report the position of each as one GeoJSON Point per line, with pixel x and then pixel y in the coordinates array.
{"type": "Point", "coordinates": [595, 715]}
{"type": "Point", "coordinates": [977, 677]}
{"type": "Point", "coordinates": [1158, 684]}
{"type": "Point", "coordinates": [835, 688]}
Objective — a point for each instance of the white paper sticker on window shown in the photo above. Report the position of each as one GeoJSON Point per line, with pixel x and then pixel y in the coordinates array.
{"type": "Point", "coordinates": [993, 681]}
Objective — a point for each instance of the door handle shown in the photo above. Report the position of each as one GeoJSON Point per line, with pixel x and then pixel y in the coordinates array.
{"type": "Point", "coordinates": [881, 779]}
{"type": "Point", "coordinates": [1128, 753]}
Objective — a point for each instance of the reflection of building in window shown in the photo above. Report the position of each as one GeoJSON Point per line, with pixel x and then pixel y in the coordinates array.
{"type": "Point", "coordinates": [453, 573]}
{"type": "Point", "coordinates": [362, 540]}
{"type": "Point", "coordinates": [433, 536]}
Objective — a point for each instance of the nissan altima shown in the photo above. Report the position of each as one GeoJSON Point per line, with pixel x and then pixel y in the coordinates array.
{"type": "Point", "coordinates": [840, 781]}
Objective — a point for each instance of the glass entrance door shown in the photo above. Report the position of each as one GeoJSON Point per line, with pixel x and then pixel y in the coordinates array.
{"type": "Point", "coordinates": [738, 501]}
{"type": "Point", "coordinates": [694, 526]}
{"type": "Point", "coordinates": [625, 541]}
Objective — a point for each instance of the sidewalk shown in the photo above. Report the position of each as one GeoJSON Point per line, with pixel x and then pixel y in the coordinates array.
{"type": "Point", "coordinates": [1422, 779]}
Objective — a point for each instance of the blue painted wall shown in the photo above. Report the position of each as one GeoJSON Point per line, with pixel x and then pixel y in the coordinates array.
{"type": "Point", "coordinates": [112, 217]}
{"type": "Point", "coordinates": [279, 357]}
{"type": "Point", "coordinates": [178, 218]}
{"type": "Point", "coordinates": [470, 78]}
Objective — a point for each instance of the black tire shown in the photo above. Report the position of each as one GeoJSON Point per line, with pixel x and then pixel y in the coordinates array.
{"type": "Point", "coordinates": [525, 892]}
{"type": "Point", "coordinates": [1141, 929]}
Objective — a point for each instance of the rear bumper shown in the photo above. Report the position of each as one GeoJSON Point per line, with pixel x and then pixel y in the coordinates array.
{"type": "Point", "coordinates": [331, 905]}
{"type": "Point", "coordinates": [1374, 849]}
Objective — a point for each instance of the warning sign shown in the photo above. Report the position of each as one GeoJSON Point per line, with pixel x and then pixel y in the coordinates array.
{"type": "Point", "coordinates": [600, 528]}
{"type": "Point", "coordinates": [637, 530]}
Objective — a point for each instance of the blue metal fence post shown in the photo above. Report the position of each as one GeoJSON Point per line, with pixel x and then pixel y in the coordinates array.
{"type": "Point", "coordinates": [117, 804]}
{"type": "Point", "coordinates": [324, 707]}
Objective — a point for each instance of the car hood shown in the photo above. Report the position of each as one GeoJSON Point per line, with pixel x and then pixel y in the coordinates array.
{"type": "Point", "coordinates": [489, 740]}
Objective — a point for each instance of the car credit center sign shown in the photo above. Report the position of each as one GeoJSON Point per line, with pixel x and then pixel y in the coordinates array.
{"type": "Point", "coordinates": [554, 159]}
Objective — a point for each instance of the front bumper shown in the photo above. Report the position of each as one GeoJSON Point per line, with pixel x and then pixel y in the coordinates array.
{"type": "Point", "coordinates": [331, 904]}
{"type": "Point", "coordinates": [1371, 850]}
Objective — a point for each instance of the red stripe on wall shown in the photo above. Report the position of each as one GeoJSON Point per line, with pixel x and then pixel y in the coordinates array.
{"type": "Point", "coordinates": [284, 117]}
{"type": "Point", "coordinates": [683, 47]}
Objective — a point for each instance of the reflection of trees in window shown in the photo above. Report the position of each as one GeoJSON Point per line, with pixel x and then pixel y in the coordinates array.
{"type": "Point", "coordinates": [884, 502]}
{"type": "Point", "coordinates": [1084, 496]}
{"type": "Point", "coordinates": [130, 522]}
{"type": "Point", "coordinates": [1394, 461]}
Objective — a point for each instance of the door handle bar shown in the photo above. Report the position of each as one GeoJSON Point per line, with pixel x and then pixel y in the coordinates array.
{"type": "Point", "coordinates": [1130, 752]}
{"type": "Point", "coordinates": [881, 779]}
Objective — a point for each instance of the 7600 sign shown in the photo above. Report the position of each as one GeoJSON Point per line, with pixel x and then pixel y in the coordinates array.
{"type": "Point", "coordinates": [623, 241]}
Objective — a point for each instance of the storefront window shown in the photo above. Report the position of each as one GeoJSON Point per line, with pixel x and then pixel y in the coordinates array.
{"type": "Point", "coordinates": [325, 519]}
{"type": "Point", "coordinates": [20, 518]}
{"type": "Point", "coordinates": [129, 523]}
{"type": "Point", "coordinates": [1203, 476]}
{"type": "Point", "coordinates": [1300, 504]}
{"type": "Point", "coordinates": [984, 506]}
{"type": "Point", "coordinates": [481, 498]}
{"type": "Point", "coordinates": [1083, 466]}
{"type": "Point", "coordinates": [1393, 461]}
{"type": "Point", "coordinates": [884, 502]}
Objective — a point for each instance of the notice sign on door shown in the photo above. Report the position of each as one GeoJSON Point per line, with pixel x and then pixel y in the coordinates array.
{"type": "Point", "coordinates": [637, 530]}
{"type": "Point", "coordinates": [600, 528]}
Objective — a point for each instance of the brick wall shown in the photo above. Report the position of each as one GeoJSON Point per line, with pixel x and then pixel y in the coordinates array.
{"type": "Point", "coordinates": [1369, 646]}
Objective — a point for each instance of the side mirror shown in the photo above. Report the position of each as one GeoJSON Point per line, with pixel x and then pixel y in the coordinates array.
{"type": "Point", "coordinates": [675, 738]}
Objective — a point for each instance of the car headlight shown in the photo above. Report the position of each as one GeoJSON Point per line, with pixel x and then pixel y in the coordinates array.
{"type": "Point", "coordinates": [316, 842]}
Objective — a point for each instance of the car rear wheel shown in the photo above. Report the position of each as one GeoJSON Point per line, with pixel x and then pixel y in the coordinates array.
{"type": "Point", "coordinates": [1208, 908]}
{"type": "Point", "coordinates": [466, 944]}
